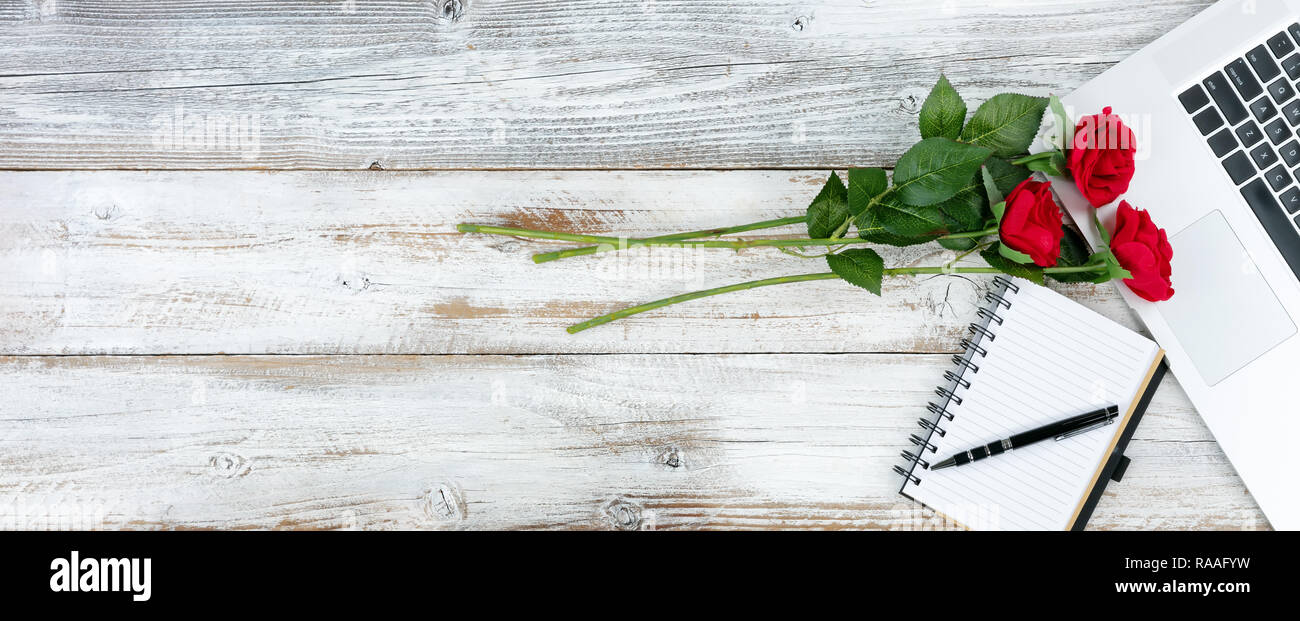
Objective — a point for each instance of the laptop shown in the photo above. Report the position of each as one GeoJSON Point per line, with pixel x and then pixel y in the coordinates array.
{"type": "Point", "coordinates": [1216, 111]}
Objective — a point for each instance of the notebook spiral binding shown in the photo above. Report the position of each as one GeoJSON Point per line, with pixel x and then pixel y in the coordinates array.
{"type": "Point", "coordinates": [982, 336]}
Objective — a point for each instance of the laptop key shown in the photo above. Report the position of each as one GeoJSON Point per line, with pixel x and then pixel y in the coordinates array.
{"type": "Point", "coordinates": [1239, 73]}
{"type": "Point", "coordinates": [1224, 143]}
{"type": "Point", "coordinates": [1281, 45]}
{"type": "Point", "coordinates": [1291, 200]}
{"type": "Point", "coordinates": [1263, 63]}
{"type": "Point", "coordinates": [1208, 121]}
{"type": "Point", "coordinates": [1278, 177]}
{"type": "Point", "coordinates": [1227, 100]}
{"type": "Point", "coordinates": [1239, 168]}
{"type": "Point", "coordinates": [1292, 66]}
{"type": "Point", "coordinates": [1291, 153]}
{"type": "Point", "coordinates": [1276, 222]}
{"type": "Point", "coordinates": [1264, 156]}
{"type": "Point", "coordinates": [1292, 113]}
{"type": "Point", "coordinates": [1194, 98]}
{"type": "Point", "coordinates": [1281, 90]}
{"type": "Point", "coordinates": [1250, 134]}
{"type": "Point", "coordinates": [1294, 29]}
{"type": "Point", "coordinates": [1263, 110]}
{"type": "Point", "coordinates": [1277, 131]}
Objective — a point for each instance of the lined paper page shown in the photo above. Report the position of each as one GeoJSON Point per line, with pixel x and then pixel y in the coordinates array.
{"type": "Point", "coordinates": [1050, 359]}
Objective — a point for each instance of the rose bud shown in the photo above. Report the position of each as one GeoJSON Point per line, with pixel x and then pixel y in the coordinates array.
{"type": "Point", "coordinates": [1031, 222]}
{"type": "Point", "coordinates": [1101, 158]}
{"type": "Point", "coordinates": [1143, 249]}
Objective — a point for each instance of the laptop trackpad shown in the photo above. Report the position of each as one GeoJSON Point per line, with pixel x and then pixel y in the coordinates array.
{"type": "Point", "coordinates": [1224, 314]}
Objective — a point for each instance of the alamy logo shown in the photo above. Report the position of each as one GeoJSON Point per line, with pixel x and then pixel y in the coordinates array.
{"type": "Point", "coordinates": [101, 574]}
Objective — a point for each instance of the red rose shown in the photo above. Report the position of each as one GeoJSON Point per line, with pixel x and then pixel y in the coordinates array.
{"type": "Point", "coordinates": [1032, 222]}
{"type": "Point", "coordinates": [1143, 249]}
{"type": "Point", "coordinates": [1101, 160]}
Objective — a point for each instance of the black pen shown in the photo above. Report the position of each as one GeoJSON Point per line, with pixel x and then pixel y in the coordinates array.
{"type": "Point", "coordinates": [1061, 430]}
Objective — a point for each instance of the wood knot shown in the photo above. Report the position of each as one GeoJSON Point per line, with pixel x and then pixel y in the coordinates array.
{"type": "Point", "coordinates": [671, 458]}
{"type": "Point", "coordinates": [910, 104]}
{"type": "Point", "coordinates": [506, 247]}
{"type": "Point", "coordinates": [800, 23]}
{"type": "Point", "coordinates": [623, 515]}
{"type": "Point", "coordinates": [355, 283]}
{"type": "Point", "coordinates": [106, 212]}
{"type": "Point", "coordinates": [444, 503]}
{"type": "Point", "coordinates": [229, 465]}
{"type": "Point", "coordinates": [375, 165]}
{"type": "Point", "coordinates": [448, 11]}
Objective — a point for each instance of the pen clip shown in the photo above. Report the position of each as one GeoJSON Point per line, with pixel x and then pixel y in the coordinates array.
{"type": "Point", "coordinates": [1092, 427]}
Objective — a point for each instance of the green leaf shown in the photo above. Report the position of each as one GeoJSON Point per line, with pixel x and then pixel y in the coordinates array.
{"type": "Point", "coordinates": [943, 113]}
{"type": "Point", "coordinates": [960, 244]}
{"type": "Point", "coordinates": [995, 259]}
{"type": "Point", "coordinates": [1054, 165]}
{"type": "Point", "coordinates": [1007, 123]}
{"type": "Point", "coordinates": [936, 169]}
{"type": "Point", "coordinates": [1014, 255]}
{"type": "Point", "coordinates": [970, 206]}
{"type": "Point", "coordinates": [1113, 267]}
{"type": "Point", "coordinates": [1063, 121]}
{"type": "Point", "coordinates": [991, 186]}
{"type": "Point", "coordinates": [1006, 175]}
{"type": "Point", "coordinates": [965, 210]}
{"type": "Point", "coordinates": [872, 229]}
{"type": "Point", "coordinates": [1101, 231]}
{"type": "Point", "coordinates": [860, 266]}
{"type": "Point", "coordinates": [909, 220]}
{"type": "Point", "coordinates": [998, 210]}
{"type": "Point", "coordinates": [1074, 249]}
{"type": "Point", "coordinates": [1112, 270]}
{"type": "Point", "coordinates": [1074, 253]}
{"type": "Point", "coordinates": [864, 185]}
{"type": "Point", "coordinates": [829, 210]}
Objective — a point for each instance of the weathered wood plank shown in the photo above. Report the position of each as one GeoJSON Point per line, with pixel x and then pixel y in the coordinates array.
{"type": "Point", "coordinates": [255, 262]}
{"type": "Point", "coordinates": [423, 84]}
{"type": "Point", "coordinates": [639, 441]}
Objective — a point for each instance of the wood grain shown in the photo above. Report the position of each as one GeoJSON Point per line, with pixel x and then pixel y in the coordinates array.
{"type": "Point", "coordinates": [437, 84]}
{"type": "Point", "coordinates": [356, 263]}
{"type": "Point", "coordinates": [536, 442]}
{"type": "Point", "coordinates": [704, 416]}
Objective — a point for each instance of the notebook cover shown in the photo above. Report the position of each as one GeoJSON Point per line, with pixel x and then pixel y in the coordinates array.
{"type": "Point", "coordinates": [1114, 463]}
{"type": "Point", "coordinates": [1117, 455]}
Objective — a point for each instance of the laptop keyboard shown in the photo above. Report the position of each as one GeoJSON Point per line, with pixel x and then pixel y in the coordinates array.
{"type": "Point", "coordinates": [1249, 114]}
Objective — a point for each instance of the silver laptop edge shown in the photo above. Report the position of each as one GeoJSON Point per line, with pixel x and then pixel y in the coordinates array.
{"type": "Point", "coordinates": [1230, 331]}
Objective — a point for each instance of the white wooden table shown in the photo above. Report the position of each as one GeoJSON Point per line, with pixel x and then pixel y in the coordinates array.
{"type": "Point", "coordinates": [231, 294]}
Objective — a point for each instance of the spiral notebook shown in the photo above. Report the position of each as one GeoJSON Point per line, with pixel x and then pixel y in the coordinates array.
{"type": "Point", "coordinates": [1033, 358]}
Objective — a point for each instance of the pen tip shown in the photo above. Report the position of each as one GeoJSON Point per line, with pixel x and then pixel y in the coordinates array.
{"type": "Point", "coordinates": [947, 463]}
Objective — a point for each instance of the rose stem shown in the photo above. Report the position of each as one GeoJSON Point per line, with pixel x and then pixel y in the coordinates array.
{"type": "Point", "coordinates": [616, 243]}
{"type": "Point", "coordinates": [578, 252]}
{"type": "Point", "coordinates": [1032, 158]}
{"type": "Point", "coordinates": [598, 239]}
{"type": "Point", "coordinates": [972, 234]}
{"type": "Point", "coordinates": [896, 271]}
{"type": "Point", "coordinates": [628, 312]}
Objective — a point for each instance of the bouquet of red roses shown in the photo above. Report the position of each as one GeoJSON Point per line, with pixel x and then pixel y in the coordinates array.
{"type": "Point", "coordinates": [968, 185]}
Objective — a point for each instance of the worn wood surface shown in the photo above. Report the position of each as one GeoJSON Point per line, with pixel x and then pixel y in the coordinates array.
{"type": "Point", "coordinates": [343, 263]}
{"type": "Point", "coordinates": [621, 441]}
{"type": "Point", "coordinates": [241, 347]}
{"type": "Point", "coordinates": [524, 83]}
{"type": "Point", "coordinates": [160, 263]}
